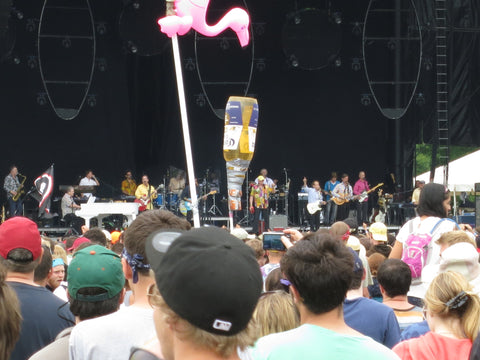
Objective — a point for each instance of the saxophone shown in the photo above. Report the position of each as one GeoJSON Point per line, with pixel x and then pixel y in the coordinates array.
{"type": "Point", "coordinates": [20, 189]}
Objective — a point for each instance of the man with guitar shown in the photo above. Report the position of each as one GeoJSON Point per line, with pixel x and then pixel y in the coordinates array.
{"type": "Point", "coordinates": [314, 198]}
{"type": "Point", "coordinates": [342, 194]}
{"type": "Point", "coordinates": [360, 187]}
{"type": "Point", "coordinates": [331, 208]}
{"type": "Point", "coordinates": [186, 204]}
{"type": "Point", "coordinates": [145, 193]}
{"type": "Point", "coordinates": [14, 188]}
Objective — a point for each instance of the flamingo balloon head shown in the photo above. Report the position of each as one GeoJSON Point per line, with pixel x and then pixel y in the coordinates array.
{"type": "Point", "coordinates": [239, 23]}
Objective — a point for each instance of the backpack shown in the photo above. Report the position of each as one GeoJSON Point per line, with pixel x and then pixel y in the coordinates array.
{"type": "Point", "coordinates": [415, 249]}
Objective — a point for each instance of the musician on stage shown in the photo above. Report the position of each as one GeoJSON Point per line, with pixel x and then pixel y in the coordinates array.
{"type": "Point", "coordinates": [343, 192]}
{"type": "Point", "coordinates": [268, 182]}
{"type": "Point", "coordinates": [186, 198]}
{"type": "Point", "coordinates": [12, 186]}
{"type": "Point", "coordinates": [419, 184]}
{"type": "Point", "coordinates": [89, 180]}
{"type": "Point", "coordinates": [68, 210]}
{"type": "Point", "coordinates": [259, 203]}
{"type": "Point", "coordinates": [362, 206]}
{"type": "Point", "coordinates": [146, 193]}
{"type": "Point", "coordinates": [331, 208]}
{"type": "Point", "coordinates": [314, 197]}
{"type": "Point", "coordinates": [177, 183]}
{"type": "Point", "coordinates": [129, 186]}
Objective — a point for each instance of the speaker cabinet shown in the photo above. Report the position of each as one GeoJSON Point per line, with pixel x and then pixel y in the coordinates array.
{"type": "Point", "coordinates": [278, 221]}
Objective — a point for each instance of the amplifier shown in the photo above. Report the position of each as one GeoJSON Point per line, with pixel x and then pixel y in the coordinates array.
{"type": "Point", "coordinates": [302, 196]}
{"type": "Point", "coordinates": [278, 221]}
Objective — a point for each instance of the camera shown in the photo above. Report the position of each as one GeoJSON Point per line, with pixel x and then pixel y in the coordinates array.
{"type": "Point", "coordinates": [273, 241]}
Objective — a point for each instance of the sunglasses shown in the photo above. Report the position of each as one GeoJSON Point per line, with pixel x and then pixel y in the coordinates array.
{"type": "Point", "coordinates": [153, 295]}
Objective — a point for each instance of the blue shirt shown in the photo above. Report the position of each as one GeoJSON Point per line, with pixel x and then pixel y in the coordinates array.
{"type": "Point", "coordinates": [372, 319]}
{"type": "Point", "coordinates": [314, 196]}
{"type": "Point", "coordinates": [329, 188]}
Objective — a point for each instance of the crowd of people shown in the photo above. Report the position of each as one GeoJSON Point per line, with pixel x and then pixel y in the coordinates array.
{"type": "Point", "coordinates": [161, 290]}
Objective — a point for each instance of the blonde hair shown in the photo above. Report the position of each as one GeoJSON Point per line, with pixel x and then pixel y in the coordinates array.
{"type": "Point", "coordinates": [276, 312]}
{"type": "Point", "coordinates": [222, 345]}
{"type": "Point", "coordinates": [445, 297]}
{"type": "Point", "coordinates": [60, 253]}
{"type": "Point", "coordinates": [455, 237]}
{"type": "Point", "coordinates": [257, 247]}
{"type": "Point", "coordinates": [10, 317]}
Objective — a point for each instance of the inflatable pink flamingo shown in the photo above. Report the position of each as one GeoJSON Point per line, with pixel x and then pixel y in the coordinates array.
{"type": "Point", "coordinates": [191, 14]}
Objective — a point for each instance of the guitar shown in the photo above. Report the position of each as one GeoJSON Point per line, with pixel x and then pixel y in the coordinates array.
{"type": "Point", "coordinates": [364, 194]}
{"type": "Point", "coordinates": [312, 208]}
{"type": "Point", "coordinates": [144, 202]}
{"type": "Point", "coordinates": [343, 198]}
{"type": "Point", "coordinates": [187, 205]}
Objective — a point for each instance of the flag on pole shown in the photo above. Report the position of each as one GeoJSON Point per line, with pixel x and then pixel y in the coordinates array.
{"type": "Point", "coordinates": [44, 186]}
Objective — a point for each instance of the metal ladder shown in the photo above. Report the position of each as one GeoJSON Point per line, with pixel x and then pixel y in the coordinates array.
{"type": "Point", "coordinates": [442, 86]}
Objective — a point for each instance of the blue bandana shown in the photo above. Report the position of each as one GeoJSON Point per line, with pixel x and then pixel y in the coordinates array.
{"type": "Point", "coordinates": [57, 262]}
{"type": "Point", "coordinates": [135, 262]}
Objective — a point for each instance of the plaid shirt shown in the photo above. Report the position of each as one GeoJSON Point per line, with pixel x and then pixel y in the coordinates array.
{"type": "Point", "coordinates": [11, 184]}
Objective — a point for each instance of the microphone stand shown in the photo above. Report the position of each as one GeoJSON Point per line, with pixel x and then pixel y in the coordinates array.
{"type": "Point", "coordinates": [287, 185]}
{"type": "Point", "coordinates": [246, 212]}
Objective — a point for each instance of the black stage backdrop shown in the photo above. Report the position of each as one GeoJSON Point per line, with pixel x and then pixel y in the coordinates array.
{"type": "Point", "coordinates": [311, 122]}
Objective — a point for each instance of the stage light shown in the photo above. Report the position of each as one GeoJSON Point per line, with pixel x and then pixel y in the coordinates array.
{"type": "Point", "coordinates": [357, 28]}
{"type": "Point", "coordinates": [337, 17]}
{"type": "Point", "coordinates": [136, 4]}
{"type": "Point", "coordinates": [200, 100]}
{"type": "Point", "coordinates": [356, 64]}
{"type": "Point", "coordinates": [259, 29]}
{"type": "Point", "coordinates": [91, 100]}
{"type": "Point", "coordinates": [293, 61]}
{"type": "Point", "coordinates": [420, 99]}
{"type": "Point", "coordinates": [338, 62]}
{"type": "Point", "coordinates": [101, 28]}
{"type": "Point", "coordinates": [67, 43]}
{"type": "Point", "coordinates": [297, 19]}
{"type": "Point", "coordinates": [30, 26]}
{"type": "Point", "coordinates": [189, 64]}
{"type": "Point", "coordinates": [365, 99]}
{"type": "Point", "coordinates": [427, 63]}
{"type": "Point", "coordinates": [391, 45]}
{"type": "Point", "coordinates": [41, 98]}
{"type": "Point", "coordinates": [17, 13]}
{"type": "Point", "coordinates": [32, 62]}
{"type": "Point", "coordinates": [102, 64]}
{"type": "Point", "coordinates": [224, 44]}
{"type": "Point", "coordinates": [260, 65]}
{"type": "Point", "coordinates": [132, 47]}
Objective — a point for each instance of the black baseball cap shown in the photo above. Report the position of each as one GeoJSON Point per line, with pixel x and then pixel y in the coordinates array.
{"type": "Point", "coordinates": [206, 276]}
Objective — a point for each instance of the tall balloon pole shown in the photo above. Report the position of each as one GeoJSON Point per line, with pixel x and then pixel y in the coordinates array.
{"type": "Point", "coordinates": [182, 15]}
{"type": "Point", "coordinates": [184, 117]}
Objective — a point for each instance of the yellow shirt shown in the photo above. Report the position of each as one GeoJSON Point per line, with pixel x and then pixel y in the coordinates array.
{"type": "Point", "coordinates": [142, 193]}
{"type": "Point", "coordinates": [129, 187]}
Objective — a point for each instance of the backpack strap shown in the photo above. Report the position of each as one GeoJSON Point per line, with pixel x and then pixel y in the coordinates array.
{"type": "Point", "coordinates": [440, 221]}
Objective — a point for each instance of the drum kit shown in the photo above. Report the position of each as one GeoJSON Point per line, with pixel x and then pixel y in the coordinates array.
{"type": "Point", "coordinates": [171, 201]}
{"type": "Point", "coordinates": [166, 200]}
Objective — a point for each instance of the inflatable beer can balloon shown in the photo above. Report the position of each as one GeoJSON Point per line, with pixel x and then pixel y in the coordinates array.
{"type": "Point", "coordinates": [241, 119]}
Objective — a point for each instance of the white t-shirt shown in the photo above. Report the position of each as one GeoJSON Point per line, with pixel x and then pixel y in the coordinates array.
{"type": "Point", "coordinates": [112, 336]}
{"type": "Point", "coordinates": [433, 255]}
{"type": "Point", "coordinates": [87, 182]}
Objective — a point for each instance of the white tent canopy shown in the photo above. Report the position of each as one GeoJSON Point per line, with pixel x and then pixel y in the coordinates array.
{"type": "Point", "coordinates": [463, 173]}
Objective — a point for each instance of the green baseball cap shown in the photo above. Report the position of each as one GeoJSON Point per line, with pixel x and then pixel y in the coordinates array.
{"type": "Point", "coordinates": [95, 266]}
